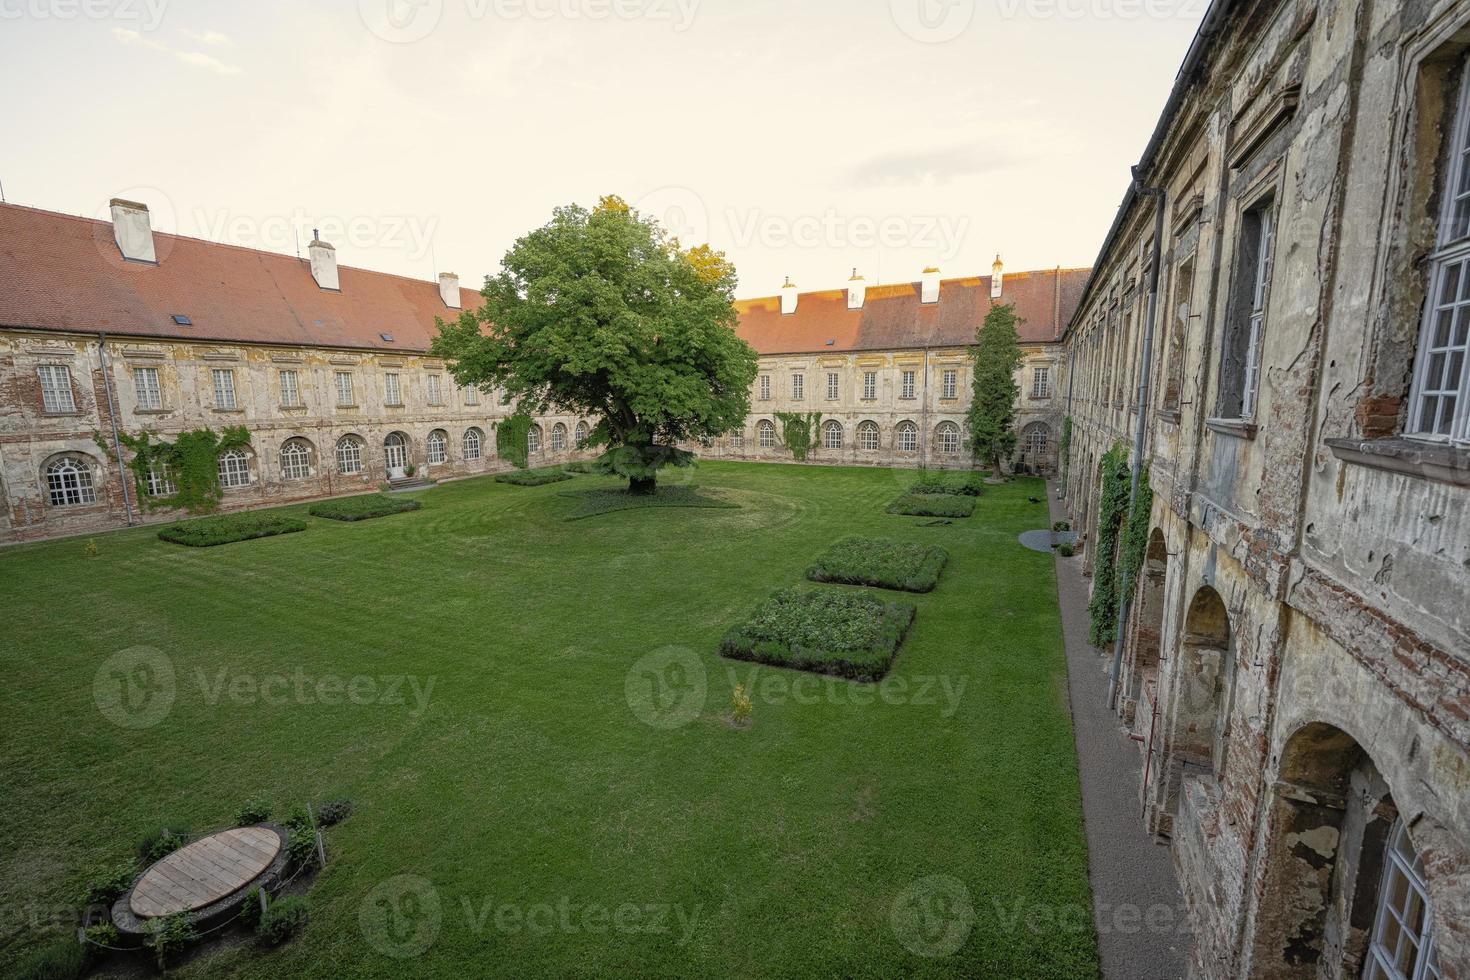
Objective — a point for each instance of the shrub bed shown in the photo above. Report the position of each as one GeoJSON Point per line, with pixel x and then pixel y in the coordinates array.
{"type": "Point", "coordinates": [846, 634]}
{"type": "Point", "coordinates": [898, 565]}
{"type": "Point", "coordinates": [933, 505]}
{"type": "Point", "coordinates": [227, 528]}
{"type": "Point", "coordinates": [362, 508]}
{"type": "Point", "coordinates": [534, 478]}
{"type": "Point", "coordinates": [969, 486]}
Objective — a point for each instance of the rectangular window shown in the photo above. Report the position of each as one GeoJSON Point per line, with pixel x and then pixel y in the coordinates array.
{"type": "Point", "coordinates": [344, 389]}
{"type": "Point", "coordinates": [224, 388]}
{"type": "Point", "coordinates": [949, 383]}
{"type": "Point", "coordinates": [906, 389]}
{"type": "Point", "coordinates": [832, 386]}
{"type": "Point", "coordinates": [870, 385]}
{"type": "Point", "coordinates": [1241, 351]}
{"type": "Point", "coordinates": [1440, 400]}
{"type": "Point", "coordinates": [290, 389]}
{"type": "Point", "coordinates": [798, 386]}
{"type": "Point", "coordinates": [436, 391]}
{"type": "Point", "coordinates": [1041, 382]}
{"type": "Point", "coordinates": [471, 395]}
{"type": "Point", "coordinates": [391, 394]}
{"type": "Point", "coordinates": [145, 387]}
{"type": "Point", "coordinates": [765, 387]}
{"type": "Point", "coordinates": [56, 388]}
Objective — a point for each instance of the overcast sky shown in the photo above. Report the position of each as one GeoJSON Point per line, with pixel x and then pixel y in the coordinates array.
{"type": "Point", "coordinates": [802, 138]}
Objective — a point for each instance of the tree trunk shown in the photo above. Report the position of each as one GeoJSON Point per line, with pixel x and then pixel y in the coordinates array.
{"type": "Point", "coordinates": [642, 485]}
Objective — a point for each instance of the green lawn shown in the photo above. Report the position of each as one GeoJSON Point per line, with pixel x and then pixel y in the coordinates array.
{"type": "Point", "coordinates": [529, 800]}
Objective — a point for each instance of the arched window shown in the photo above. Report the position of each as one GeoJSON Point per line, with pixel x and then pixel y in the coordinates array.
{"type": "Point", "coordinates": [473, 440]}
{"type": "Point", "coordinates": [831, 434]}
{"type": "Point", "coordinates": [533, 439]}
{"type": "Point", "coordinates": [947, 437]}
{"type": "Point", "coordinates": [436, 447]}
{"type": "Point", "coordinates": [581, 434]}
{"type": "Point", "coordinates": [1403, 943]}
{"type": "Point", "coordinates": [765, 431]}
{"type": "Point", "coordinates": [69, 482]}
{"type": "Point", "coordinates": [907, 437]}
{"type": "Point", "coordinates": [234, 468]}
{"type": "Point", "coordinates": [867, 435]}
{"type": "Point", "coordinates": [1034, 441]}
{"type": "Point", "coordinates": [295, 460]}
{"type": "Point", "coordinates": [160, 480]}
{"type": "Point", "coordinates": [395, 452]}
{"type": "Point", "coordinates": [558, 438]}
{"type": "Point", "coordinates": [349, 455]}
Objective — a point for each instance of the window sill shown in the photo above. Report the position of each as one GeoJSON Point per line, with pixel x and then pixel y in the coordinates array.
{"type": "Point", "coordinates": [1169, 415]}
{"type": "Point", "coordinates": [292, 408]}
{"type": "Point", "coordinates": [393, 404]}
{"type": "Point", "coordinates": [1239, 428]}
{"type": "Point", "coordinates": [152, 411]}
{"type": "Point", "coordinates": [1438, 461]}
{"type": "Point", "coordinates": [230, 411]}
{"type": "Point", "coordinates": [61, 415]}
{"type": "Point", "coordinates": [349, 407]}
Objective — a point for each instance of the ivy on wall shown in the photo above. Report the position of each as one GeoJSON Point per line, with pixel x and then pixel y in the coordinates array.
{"type": "Point", "coordinates": [511, 439]}
{"type": "Point", "coordinates": [1065, 449]}
{"type": "Point", "coordinates": [799, 431]}
{"type": "Point", "coordinates": [190, 463]}
{"type": "Point", "coordinates": [1122, 540]}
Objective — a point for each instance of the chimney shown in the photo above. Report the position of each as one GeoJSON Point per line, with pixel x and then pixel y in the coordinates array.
{"type": "Point", "coordinates": [857, 291]}
{"type": "Point", "coordinates": [788, 298]}
{"type": "Point", "coordinates": [449, 289]}
{"type": "Point", "coordinates": [997, 275]}
{"type": "Point", "coordinates": [133, 231]}
{"type": "Point", "coordinates": [929, 291]}
{"type": "Point", "coordinates": [323, 262]}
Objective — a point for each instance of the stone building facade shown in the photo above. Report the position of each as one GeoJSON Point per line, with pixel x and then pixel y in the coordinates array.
{"type": "Point", "coordinates": [1296, 663]}
{"type": "Point", "coordinates": [888, 368]}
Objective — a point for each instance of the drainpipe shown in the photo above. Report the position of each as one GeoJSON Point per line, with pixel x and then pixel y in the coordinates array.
{"type": "Point", "coordinates": [1066, 464]}
{"type": "Point", "coordinates": [122, 468]}
{"type": "Point", "coordinates": [1161, 200]}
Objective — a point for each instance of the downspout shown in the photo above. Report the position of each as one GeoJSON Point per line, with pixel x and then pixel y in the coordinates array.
{"type": "Point", "coordinates": [122, 467]}
{"type": "Point", "coordinates": [1161, 200]}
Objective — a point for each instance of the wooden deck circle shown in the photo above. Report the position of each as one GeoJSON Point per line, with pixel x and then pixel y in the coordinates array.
{"type": "Point", "coordinates": [205, 871]}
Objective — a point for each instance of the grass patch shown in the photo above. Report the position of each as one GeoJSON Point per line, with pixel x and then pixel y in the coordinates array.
{"type": "Point", "coordinates": [206, 532]}
{"type": "Point", "coordinates": [846, 634]}
{"type": "Point", "coordinates": [534, 478]}
{"type": "Point", "coordinates": [362, 508]}
{"type": "Point", "coordinates": [933, 505]}
{"type": "Point", "coordinates": [901, 565]}
{"type": "Point", "coordinates": [609, 499]}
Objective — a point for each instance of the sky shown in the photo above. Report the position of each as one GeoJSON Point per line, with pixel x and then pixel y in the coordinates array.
{"type": "Point", "coordinates": [803, 139]}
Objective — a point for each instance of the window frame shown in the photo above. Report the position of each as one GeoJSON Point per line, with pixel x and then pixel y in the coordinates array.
{"type": "Point", "coordinates": [290, 394]}
{"type": "Point", "coordinates": [228, 471]}
{"type": "Point", "coordinates": [765, 434]}
{"type": "Point", "coordinates": [765, 388]}
{"type": "Point", "coordinates": [1379, 963]}
{"type": "Point", "coordinates": [436, 390]}
{"type": "Point", "coordinates": [1247, 307]}
{"type": "Point", "coordinates": [222, 381]}
{"type": "Point", "coordinates": [1041, 381]}
{"type": "Point", "coordinates": [869, 427]}
{"type": "Point", "coordinates": [83, 486]}
{"type": "Point", "coordinates": [828, 427]}
{"type": "Point", "coordinates": [942, 436]}
{"type": "Point", "coordinates": [436, 448]}
{"type": "Point", "coordinates": [908, 383]}
{"type": "Point", "coordinates": [475, 436]}
{"type": "Point", "coordinates": [949, 383]}
{"type": "Point", "coordinates": [834, 386]}
{"type": "Point", "coordinates": [346, 389]}
{"type": "Point", "coordinates": [58, 388]}
{"type": "Point", "coordinates": [870, 386]}
{"type": "Point", "coordinates": [147, 389]}
{"type": "Point", "coordinates": [357, 448]}
{"type": "Point", "coordinates": [392, 390]}
{"type": "Point", "coordinates": [299, 466]}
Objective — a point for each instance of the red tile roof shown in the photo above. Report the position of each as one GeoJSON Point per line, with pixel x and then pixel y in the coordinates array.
{"type": "Point", "coordinates": [61, 272]}
{"type": "Point", "coordinates": [892, 316]}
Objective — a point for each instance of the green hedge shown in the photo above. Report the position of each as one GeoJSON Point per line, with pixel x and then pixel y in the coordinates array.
{"type": "Point", "coordinates": [534, 478]}
{"type": "Point", "coordinates": [846, 634]}
{"type": "Point", "coordinates": [933, 505]}
{"type": "Point", "coordinates": [900, 565]}
{"type": "Point", "coordinates": [362, 508]}
{"type": "Point", "coordinates": [969, 486]}
{"type": "Point", "coordinates": [227, 528]}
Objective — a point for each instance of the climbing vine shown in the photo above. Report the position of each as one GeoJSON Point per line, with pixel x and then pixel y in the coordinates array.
{"type": "Point", "coordinates": [1065, 449]}
{"type": "Point", "coordinates": [799, 431]}
{"type": "Point", "coordinates": [190, 464]}
{"type": "Point", "coordinates": [510, 439]}
{"type": "Point", "coordinates": [1135, 536]}
{"type": "Point", "coordinates": [1113, 479]}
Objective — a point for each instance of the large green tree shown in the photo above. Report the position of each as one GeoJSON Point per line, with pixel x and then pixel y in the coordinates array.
{"type": "Point", "coordinates": [996, 355]}
{"type": "Point", "coordinates": [602, 313]}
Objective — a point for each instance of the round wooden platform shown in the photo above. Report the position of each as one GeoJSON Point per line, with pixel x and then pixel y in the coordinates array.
{"type": "Point", "coordinates": [206, 871]}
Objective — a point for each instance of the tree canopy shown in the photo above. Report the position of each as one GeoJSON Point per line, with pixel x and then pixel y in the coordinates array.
{"type": "Point", "coordinates": [992, 417]}
{"type": "Point", "coordinates": [602, 313]}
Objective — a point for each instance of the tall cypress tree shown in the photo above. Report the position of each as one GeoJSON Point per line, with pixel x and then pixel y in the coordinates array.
{"type": "Point", "coordinates": [996, 356]}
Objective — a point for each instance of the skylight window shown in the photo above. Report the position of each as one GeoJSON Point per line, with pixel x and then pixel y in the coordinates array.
{"type": "Point", "coordinates": [182, 320]}
{"type": "Point", "coordinates": [387, 337]}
